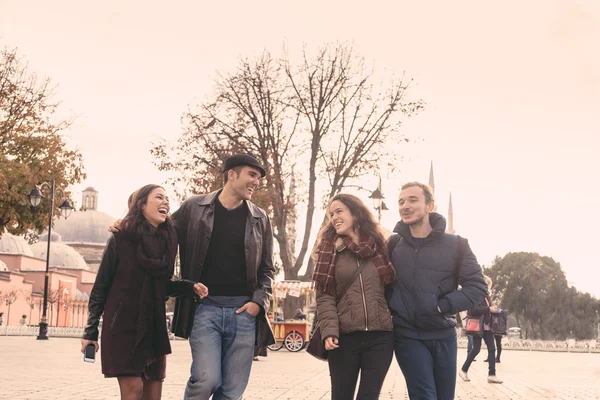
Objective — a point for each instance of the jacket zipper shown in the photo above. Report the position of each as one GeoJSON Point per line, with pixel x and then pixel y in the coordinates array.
{"type": "Point", "coordinates": [362, 289]}
{"type": "Point", "coordinates": [115, 315]}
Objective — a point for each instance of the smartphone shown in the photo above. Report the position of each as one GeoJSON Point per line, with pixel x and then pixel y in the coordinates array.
{"type": "Point", "coordinates": [89, 355]}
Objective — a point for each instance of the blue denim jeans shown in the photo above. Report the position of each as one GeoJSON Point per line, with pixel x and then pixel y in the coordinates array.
{"type": "Point", "coordinates": [222, 344]}
{"type": "Point", "coordinates": [429, 367]}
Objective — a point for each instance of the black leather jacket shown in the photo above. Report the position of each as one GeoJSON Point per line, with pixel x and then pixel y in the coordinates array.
{"type": "Point", "coordinates": [194, 223]}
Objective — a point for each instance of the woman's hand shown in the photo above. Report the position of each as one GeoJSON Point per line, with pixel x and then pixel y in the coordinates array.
{"type": "Point", "coordinates": [200, 290]}
{"type": "Point", "coordinates": [85, 343]}
{"type": "Point", "coordinates": [331, 343]}
{"type": "Point", "coordinates": [494, 310]}
{"type": "Point", "coordinates": [116, 227]}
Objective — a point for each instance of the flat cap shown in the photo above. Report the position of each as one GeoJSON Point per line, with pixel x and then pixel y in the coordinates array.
{"type": "Point", "coordinates": [243, 159]}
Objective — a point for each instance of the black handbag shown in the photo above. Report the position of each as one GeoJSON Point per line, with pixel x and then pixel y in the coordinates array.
{"type": "Point", "coordinates": [316, 344]}
{"type": "Point", "coordinates": [499, 322]}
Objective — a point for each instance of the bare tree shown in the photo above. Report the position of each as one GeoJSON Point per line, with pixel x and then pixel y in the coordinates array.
{"type": "Point", "coordinates": [326, 110]}
{"type": "Point", "coordinates": [350, 123]}
{"type": "Point", "coordinates": [31, 301]}
{"type": "Point", "coordinates": [10, 297]}
{"type": "Point", "coordinates": [250, 113]}
{"type": "Point", "coordinates": [53, 295]}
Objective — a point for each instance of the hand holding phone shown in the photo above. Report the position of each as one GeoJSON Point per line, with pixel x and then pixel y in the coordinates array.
{"type": "Point", "coordinates": [89, 348]}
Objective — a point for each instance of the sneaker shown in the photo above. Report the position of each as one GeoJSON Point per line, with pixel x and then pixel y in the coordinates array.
{"type": "Point", "coordinates": [464, 375]}
{"type": "Point", "coordinates": [497, 361]}
{"type": "Point", "coordinates": [494, 379]}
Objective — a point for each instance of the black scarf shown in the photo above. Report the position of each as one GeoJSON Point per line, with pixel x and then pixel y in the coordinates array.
{"type": "Point", "coordinates": [156, 251]}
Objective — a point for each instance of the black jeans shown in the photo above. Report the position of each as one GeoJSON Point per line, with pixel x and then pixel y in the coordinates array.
{"type": "Point", "coordinates": [370, 353]}
{"type": "Point", "coordinates": [498, 346]}
{"type": "Point", "coordinates": [488, 336]}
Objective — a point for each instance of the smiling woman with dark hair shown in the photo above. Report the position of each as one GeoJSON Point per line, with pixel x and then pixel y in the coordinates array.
{"type": "Point", "coordinates": [133, 281]}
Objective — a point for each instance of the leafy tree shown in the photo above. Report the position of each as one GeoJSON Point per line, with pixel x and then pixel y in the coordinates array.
{"type": "Point", "coordinates": [32, 145]}
{"type": "Point", "coordinates": [535, 291]}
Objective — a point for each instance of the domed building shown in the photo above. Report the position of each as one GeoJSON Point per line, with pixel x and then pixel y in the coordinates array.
{"type": "Point", "coordinates": [86, 230]}
{"type": "Point", "coordinates": [62, 256]}
{"type": "Point", "coordinates": [17, 245]}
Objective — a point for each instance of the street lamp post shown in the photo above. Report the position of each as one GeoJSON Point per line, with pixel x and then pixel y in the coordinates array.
{"type": "Point", "coordinates": [35, 197]}
{"type": "Point", "coordinates": [378, 204]}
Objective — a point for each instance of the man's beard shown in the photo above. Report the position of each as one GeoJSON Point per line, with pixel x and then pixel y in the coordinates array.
{"type": "Point", "coordinates": [418, 222]}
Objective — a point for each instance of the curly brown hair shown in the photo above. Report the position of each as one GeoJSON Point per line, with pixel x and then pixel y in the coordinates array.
{"type": "Point", "coordinates": [364, 220]}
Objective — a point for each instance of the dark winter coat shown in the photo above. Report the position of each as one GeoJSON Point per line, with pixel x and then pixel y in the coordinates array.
{"type": "Point", "coordinates": [426, 281]}
{"type": "Point", "coordinates": [483, 308]}
{"type": "Point", "coordinates": [116, 294]}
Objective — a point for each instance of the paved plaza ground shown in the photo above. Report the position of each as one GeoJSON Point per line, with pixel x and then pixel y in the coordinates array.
{"type": "Point", "coordinates": [52, 370]}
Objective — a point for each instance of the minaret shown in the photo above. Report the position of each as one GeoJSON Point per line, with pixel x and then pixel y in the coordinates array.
{"type": "Point", "coordinates": [431, 181]}
{"type": "Point", "coordinates": [450, 226]}
{"type": "Point", "coordinates": [432, 185]}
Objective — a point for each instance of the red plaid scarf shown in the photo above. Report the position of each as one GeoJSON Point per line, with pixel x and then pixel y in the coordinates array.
{"type": "Point", "coordinates": [324, 275]}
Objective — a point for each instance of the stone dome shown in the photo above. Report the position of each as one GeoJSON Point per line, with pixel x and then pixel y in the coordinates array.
{"type": "Point", "coordinates": [3, 267]}
{"type": "Point", "coordinates": [84, 227]}
{"type": "Point", "coordinates": [61, 255]}
{"type": "Point", "coordinates": [11, 244]}
{"type": "Point", "coordinates": [81, 296]}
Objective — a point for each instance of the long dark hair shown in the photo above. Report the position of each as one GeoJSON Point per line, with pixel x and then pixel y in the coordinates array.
{"type": "Point", "coordinates": [135, 222]}
{"type": "Point", "coordinates": [364, 220]}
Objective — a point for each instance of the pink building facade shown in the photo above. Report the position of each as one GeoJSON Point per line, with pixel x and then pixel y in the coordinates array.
{"type": "Point", "coordinates": [22, 287]}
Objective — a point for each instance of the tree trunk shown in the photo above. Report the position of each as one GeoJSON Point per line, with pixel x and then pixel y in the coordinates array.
{"type": "Point", "coordinates": [291, 304]}
{"type": "Point", "coordinates": [310, 209]}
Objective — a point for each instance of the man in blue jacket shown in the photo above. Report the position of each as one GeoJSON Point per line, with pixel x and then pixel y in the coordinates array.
{"type": "Point", "coordinates": [430, 265]}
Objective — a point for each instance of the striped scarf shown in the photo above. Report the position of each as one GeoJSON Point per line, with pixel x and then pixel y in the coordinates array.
{"type": "Point", "coordinates": [324, 275]}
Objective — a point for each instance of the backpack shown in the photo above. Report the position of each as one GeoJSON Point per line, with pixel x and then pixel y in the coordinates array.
{"type": "Point", "coordinates": [462, 248]}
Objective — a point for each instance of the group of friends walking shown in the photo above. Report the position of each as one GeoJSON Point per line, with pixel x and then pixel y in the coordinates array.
{"type": "Point", "coordinates": [400, 294]}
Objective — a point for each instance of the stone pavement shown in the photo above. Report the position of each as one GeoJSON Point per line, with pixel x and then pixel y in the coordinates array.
{"type": "Point", "coordinates": [54, 370]}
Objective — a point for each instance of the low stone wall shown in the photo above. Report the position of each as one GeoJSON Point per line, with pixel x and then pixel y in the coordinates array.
{"type": "Point", "coordinates": [572, 346]}
{"type": "Point", "coordinates": [586, 346]}
{"type": "Point", "coordinates": [53, 331]}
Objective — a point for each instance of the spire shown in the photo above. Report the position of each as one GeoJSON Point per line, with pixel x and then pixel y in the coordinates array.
{"type": "Point", "coordinates": [432, 185]}
{"type": "Point", "coordinates": [431, 181]}
{"type": "Point", "coordinates": [450, 227]}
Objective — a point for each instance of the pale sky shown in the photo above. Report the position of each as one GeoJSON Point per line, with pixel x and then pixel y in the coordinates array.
{"type": "Point", "coordinates": [513, 91]}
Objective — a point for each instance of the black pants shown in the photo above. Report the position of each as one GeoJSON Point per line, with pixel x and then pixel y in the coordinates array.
{"type": "Point", "coordinates": [498, 346]}
{"type": "Point", "coordinates": [489, 342]}
{"type": "Point", "coordinates": [369, 353]}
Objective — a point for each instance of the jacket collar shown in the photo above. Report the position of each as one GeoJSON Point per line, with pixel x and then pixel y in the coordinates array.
{"type": "Point", "coordinates": [209, 200]}
{"type": "Point", "coordinates": [437, 222]}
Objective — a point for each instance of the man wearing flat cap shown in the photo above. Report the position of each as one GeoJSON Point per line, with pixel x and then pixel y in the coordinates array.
{"type": "Point", "coordinates": [225, 242]}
